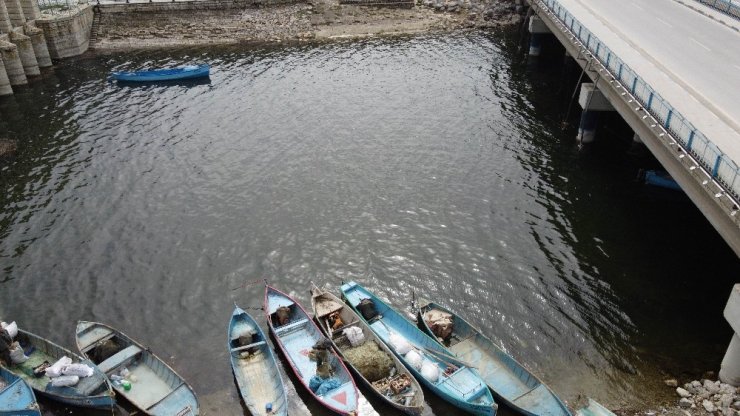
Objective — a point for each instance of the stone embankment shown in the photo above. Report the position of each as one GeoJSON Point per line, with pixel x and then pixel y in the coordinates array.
{"type": "Point", "coordinates": [157, 25]}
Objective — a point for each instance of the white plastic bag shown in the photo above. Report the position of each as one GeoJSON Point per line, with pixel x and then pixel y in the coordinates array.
{"type": "Point", "coordinates": [400, 344]}
{"type": "Point", "coordinates": [80, 370]}
{"type": "Point", "coordinates": [11, 328]}
{"type": "Point", "coordinates": [16, 354]}
{"type": "Point", "coordinates": [414, 359]}
{"type": "Point", "coordinates": [430, 371]}
{"type": "Point", "coordinates": [55, 370]}
{"type": "Point", "coordinates": [354, 335]}
{"type": "Point", "coordinates": [64, 381]}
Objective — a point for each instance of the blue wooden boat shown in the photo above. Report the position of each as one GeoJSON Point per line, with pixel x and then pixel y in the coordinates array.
{"type": "Point", "coordinates": [255, 368]}
{"type": "Point", "coordinates": [458, 383]}
{"type": "Point", "coordinates": [16, 396]}
{"type": "Point", "coordinates": [296, 337]}
{"type": "Point", "coordinates": [156, 389]}
{"type": "Point", "coordinates": [509, 381]}
{"type": "Point", "coordinates": [661, 179]}
{"type": "Point", "coordinates": [325, 305]}
{"type": "Point", "coordinates": [91, 392]}
{"type": "Point", "coordinates": [594, 409]}
{"type": "Point", "coordinates": [170, 74]}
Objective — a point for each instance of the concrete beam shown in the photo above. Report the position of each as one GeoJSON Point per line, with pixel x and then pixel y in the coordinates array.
{"type": "Point", "coordinates": [26, 53]}
{"type": "Point", "coordinates": [39, 45]}
{"type": "Point", "coordinates": [698, 187]}
{"type": "Point", "coordinates": [592, 99]}
{"type": "Point", "coordinates": [5, 25]}
{"type": "Point", "coordinates": [15, 12]}
{"type": "Point", "coordinates": [12, 61]}
{"type": "Point", "coordinates": [5, 88]}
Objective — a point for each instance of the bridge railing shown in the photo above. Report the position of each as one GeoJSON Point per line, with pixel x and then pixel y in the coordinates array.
{"type": "Point", "coordinates": [723, 169]}
{"type": "Point", "coordinates": [730, 7]}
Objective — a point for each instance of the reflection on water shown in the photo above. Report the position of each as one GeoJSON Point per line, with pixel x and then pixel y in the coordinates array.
{"type": "Point", "coordinates": [433, 165]}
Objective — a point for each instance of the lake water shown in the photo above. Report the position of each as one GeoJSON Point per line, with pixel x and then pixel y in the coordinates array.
{"type": "Point", "coordinates": [431, 164]}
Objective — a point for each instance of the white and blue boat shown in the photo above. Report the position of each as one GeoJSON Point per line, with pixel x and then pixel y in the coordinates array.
{"type": "Point", "coordinates": [509, 381]}
{"type": "Point", "coordinates": [296, 337]}
{"type": "Point", "coordinates": [16, 396]}
{"type": "Point", "coordinates": [409, 400]}
{"type": "Point", "coordinates": [661, 179]}
{"type": "Point", "coordinates": [255, 368]}
{"type": "Point", "coordinates": [458, 383]}
{"type": "Point", "coordinates": [155, 388]}
{"type": "Point", "coordinates": [594, 409]}
{"type": "Point", "coordinates": [92, 392]}
{"type": "Point", "coordinates": [165, 74]}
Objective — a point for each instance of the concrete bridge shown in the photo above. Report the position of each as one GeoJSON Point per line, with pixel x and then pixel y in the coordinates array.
{"type": "Point", "coordinates": [671, 68]}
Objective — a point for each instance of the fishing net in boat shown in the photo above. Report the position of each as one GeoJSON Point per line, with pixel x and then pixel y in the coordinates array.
{"type": "Point", "coordinates": [370, 360]}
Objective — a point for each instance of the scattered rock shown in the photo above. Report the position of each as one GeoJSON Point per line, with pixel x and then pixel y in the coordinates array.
{"type": "Point", "coordinates": [683, 393]}
{"type": "Point", "coordinates": [708, 406]}
{"type": "Point", "coordinates": [671, 382]}
{"type": "Point", "coordinates": [7, 147]}
{"type": "Point", "coordinates": [685, 403]}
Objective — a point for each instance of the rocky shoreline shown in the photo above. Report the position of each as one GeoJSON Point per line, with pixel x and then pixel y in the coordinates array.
{"type": "Point", "coordinates": [316, 19]}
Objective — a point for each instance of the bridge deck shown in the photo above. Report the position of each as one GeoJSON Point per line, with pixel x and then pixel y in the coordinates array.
{"type": "Point", "coordinates": [691, 60]}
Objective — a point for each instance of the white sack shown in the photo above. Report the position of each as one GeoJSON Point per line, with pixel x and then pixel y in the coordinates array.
{"type": "Point", "coordinates": [414, 359]}
{"type": "Point", "coordinates": [430, 371]}
{"type": "Point", "coordinates": [64, 381]}
{"type": "Point", "coordinates": [399, 344]}
{"type": "Point", "coordinates": [55, 370]}
{"type": "Point", "coordinates": [354, 335]}
{"type": "Point", "coordinates": [11, 328]}
{"type": "Point", "coordinates": [80, 370]}
{"type": "Point", "coordinates": [16, 354]}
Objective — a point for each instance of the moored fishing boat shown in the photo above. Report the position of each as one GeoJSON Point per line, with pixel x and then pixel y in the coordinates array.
{"type": "Point", "coordinates": [297, 335]}
{"type": "Point", "coordinates": [509, 381]}
{"type": "Point", "coordinates": [16, 396]}
{"type": "Point", "coordinates": [91, 392]}
{"type": "Point", "coordinates": [254, 367]}
{"type": "Point", "coordinates": [137, 374]}
{"type": "Point", "coordinates": [594, 409]}
{"type": "Point", "coordinates": [164, 74]}
{"type": "Point", "coordinates": [661, 179]}
{"type": "Point", "coordinates": [355, 341]}
{"type": "Point", "coordinates": [450, 378]}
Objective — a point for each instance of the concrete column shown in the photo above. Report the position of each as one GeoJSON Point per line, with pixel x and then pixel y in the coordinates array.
{"type": "Point", "coordinates": [537, 28]}
{"type": "Point", "coordinates": [12, 61]}
{"type": "Point", "coordinates": [31, 9]}
{"type": "Point", "coordinates": [26, 52]}
{"type": "Point", "coordinates": [592, 101]}
{"type": "Point", "coordinates": [15, 12]}
{"type": "Point", "coordinates": [5, 25]}
{"type": "Point", "coordinates": [730, 369]}
{"type": "Point", "coordinates": [38, 41]}
{"type": "Point", "coordinates": [5, 88]}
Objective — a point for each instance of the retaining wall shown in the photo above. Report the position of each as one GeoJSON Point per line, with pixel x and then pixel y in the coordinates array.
{"type": "Point", "coordinates": [67, 35]}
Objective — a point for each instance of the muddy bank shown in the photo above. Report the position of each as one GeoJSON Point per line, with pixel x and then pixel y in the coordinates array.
{"type": "Point", "coordinates": [318, 19]}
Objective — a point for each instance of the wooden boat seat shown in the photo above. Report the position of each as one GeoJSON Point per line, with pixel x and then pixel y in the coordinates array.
{"type": "Point", "coordinates": [293, 325]}
{"type": "Point", "coordinates": [246, 347]}
{"type": "Point", "coordinates": [119, 358]}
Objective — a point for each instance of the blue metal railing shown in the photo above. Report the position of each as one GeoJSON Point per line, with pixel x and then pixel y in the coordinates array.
{"type": "Point", "coordinates": [728, 7]}
{"type": "Point", "coordinates": [720, 166]}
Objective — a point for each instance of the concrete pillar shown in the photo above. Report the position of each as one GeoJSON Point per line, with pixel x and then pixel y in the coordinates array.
{"type": "Point", "coordinates": [537, 28]}
{"type": "Point", "coordinates": [15, 12]}
{"type": "Point", "coordinates": [730, 370]}
{"type": "Point", "coordinates": [592, 101]}
{"type": "Point", "coordinates": [38, 41]}
{"type": "Point", "coordinates": [5, 25]}
{"type": "Point", "coordinates": [12, 61]}
{"type": "Point", "coordinates": [26, 52]}
{"type": "Point", "coordinates": [31, 9]}
{"type": "Point", "coordinates": [5, 88]}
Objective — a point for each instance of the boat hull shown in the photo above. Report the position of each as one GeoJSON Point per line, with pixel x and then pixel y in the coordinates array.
{"type": "Point", "coordinates": [319, 300]}
{"type": "Point", "coordinates": [187, 72]}
{"type": "Point", "coordinates": [509, 381]}
{"type": "Point", "coordinates": [295, 339]}
{"type": "Point", "coordinates": [158, 391]}
{"type": "Point", "coordinates": [91, 392]}
{"type": "Point", "coordinates": [257, 374]}
{"type": "Point", "coordinates": [463, 388]}
{"type": "Point", "coordinates": [17, 397]}
{"type": "Point", "coordinates": [594, 409]}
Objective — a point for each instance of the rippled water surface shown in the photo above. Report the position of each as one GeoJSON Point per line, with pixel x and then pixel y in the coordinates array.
{"type": "Point", "coordinates": [430, 164]}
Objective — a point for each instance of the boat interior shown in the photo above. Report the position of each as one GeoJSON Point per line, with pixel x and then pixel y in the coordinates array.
{"type": "Point", "coordinates": [155, 387]}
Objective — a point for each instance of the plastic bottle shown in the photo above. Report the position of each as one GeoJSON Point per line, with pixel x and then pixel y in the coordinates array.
{"type": "Point", "coordinates": [126, 385]}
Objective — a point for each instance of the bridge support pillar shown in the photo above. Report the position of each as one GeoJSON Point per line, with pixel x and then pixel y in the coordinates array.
{"type": "Point", "coordinates": [592, 101]}
{"type": "Point", "coordinates": [637, 139]}
{"type": "Point", "coordinates": [537, 28]}
{"type": "Point", "coordinates": [730, 370]}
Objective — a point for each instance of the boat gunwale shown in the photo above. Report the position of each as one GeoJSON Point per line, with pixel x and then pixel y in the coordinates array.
{"type": "Point", "coordinates": [320, 399]}
{"type": "Point", "coordinates": [414, 410]}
